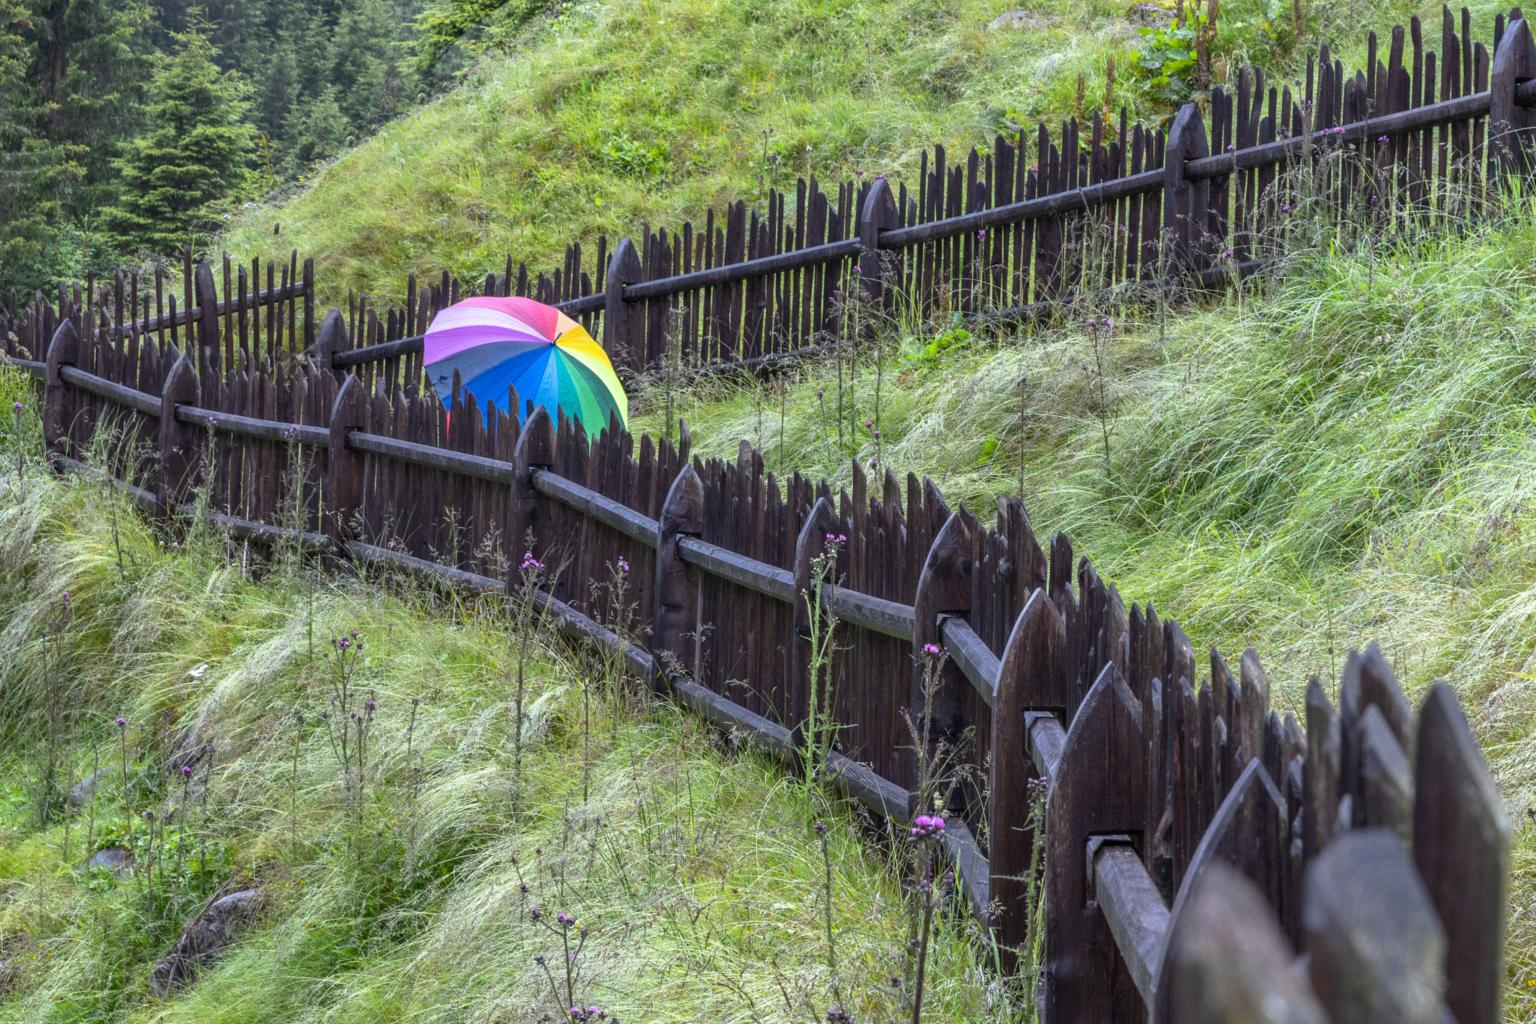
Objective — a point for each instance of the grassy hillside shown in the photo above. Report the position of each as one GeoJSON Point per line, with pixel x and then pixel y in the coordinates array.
{"type": "Point", "coordinates": [615, 113]}
{"type": "Point", "coordinates": [696, 871]}
{"type": "Point", "coordinates": [1348, 455]}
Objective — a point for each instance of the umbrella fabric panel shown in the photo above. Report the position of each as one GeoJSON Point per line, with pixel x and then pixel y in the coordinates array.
{"type": "Point", "coordinates": [473, 362]}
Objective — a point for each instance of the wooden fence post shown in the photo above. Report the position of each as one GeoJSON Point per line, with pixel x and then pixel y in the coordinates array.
{"type": "Point", "coordinates": [207, 319]}
{"type": "Point", "coordinates": [1461, 848]}
{"type": "Point", "coordinates": [623, 324]}
{"type": "Point", "coordinates": [877, 274]}
{"type": "Point", "coordinates": [333, 339]}
{"type": "Point", "coordinates": [943, 588]}
{"type": "Point", "coordinates": [819, 526]}
{"type": "Point", "coordinates": [1099, 789]}
{"type": "Point", "coordinates": [1510, 125]}
{"type": "Point", "coordinates": [1186, 202]}
{"type": "Point", "coordinates": [181, 444]}
{"type": "Point", "coordinates": [675, 622]}
{"type": "Point", "coordinates": [1229, 962]}
{"type": "Point", "coordinates": [58, 407]}
{"type": "Point", "coordinates": [1033, 662]}
{"type": "Point", "coordinates": [530, 515]}
{"type": "Point", "coordinates": [1248, 833]}
{"type": "Point", "coordinates": [1377, 948]}
{"type": "Point", "coordinates": [344, 478]}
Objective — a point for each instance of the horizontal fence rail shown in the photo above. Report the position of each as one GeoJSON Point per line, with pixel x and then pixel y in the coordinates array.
{"type": "Point", "coordinates": [1172, 806]}
{"type": "Point", "coordinates": [1091, 212]}
{"type": "Point", "coordinates": [1203, 854]}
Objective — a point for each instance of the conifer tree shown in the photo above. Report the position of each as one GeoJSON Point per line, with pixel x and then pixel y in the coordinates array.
{"type": "Point", "coordinates": [194, 158]}
{"type": "Point", "coordinates": [35, 173]}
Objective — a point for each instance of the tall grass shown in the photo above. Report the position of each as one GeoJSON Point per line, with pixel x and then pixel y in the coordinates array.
{"type": "Point", "coordinates": [618, 113]}
{"type": "Point", "coordinates": [400, 886]}
{"type": "Point", "coordinates": [1345, 454]}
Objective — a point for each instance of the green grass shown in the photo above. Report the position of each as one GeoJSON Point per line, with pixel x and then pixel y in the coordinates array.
{"type": "Point", "coordinates": [1348, 455]}
{"type": "Point", "coordinates": [619, 113]}
{"type": "Point", "coordinates": [695, 868]}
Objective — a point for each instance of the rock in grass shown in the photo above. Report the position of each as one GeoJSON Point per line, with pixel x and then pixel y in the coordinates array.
{"type": "Point", "coordinates": [1149, 16]}
{"type": "Point", "coordinates": [1018, 20]}
{"type": "Point", "coordinates": [203, 940]}
{"type": "Point", "coordinates": [83, 790]}
{"type": "Point", "coordinates": [118, 860]}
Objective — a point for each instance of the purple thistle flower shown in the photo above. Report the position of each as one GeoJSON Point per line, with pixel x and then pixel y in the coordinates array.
{"type": "Point", "coordinates": [1383, 138]}
{"type": "Point", "coordinates": [856, 270]}
{"type": "Point", "coordinates": [926, 826]}
{"type": "Point", "coordinates": [122, 723]}
{"type": "Point", "coordinates": [932, 650]}
{"type": "Point", "coordinates": [565, 919]}
{"type": "Point", "coordinates": [1374, 199]}
{"type": "Point", "coordinates": [623, 564]}
{"type": "Point", "coordinates": [370, 704]}
{"type": "Point", "coordinates": [535, 913]}
{"type": "Point", "coordinates": [1285, 207]}
{"type": "Point", "coordinates": [186, 771]}
{"type": "Point", "coordinates": [17, 407]}
{"type": "Point", "coordinates": [982, 234]}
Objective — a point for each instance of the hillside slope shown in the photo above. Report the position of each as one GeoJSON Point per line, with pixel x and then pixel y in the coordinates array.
{"type": "Point", "coordinates": [696, 871]}
{"type": "Point", "coordinates": [621, 112]}
{"type": "Point", "coordinates": [1346, 455]}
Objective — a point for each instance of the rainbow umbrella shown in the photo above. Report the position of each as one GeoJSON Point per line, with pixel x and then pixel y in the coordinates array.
{"type": "Point", "coordinates": [496, 343]}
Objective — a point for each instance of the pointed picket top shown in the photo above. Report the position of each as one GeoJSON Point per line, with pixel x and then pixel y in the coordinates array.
{"type": "Point", "coordinates": [1228, 961]}
{"type": "Point", "coordinates": [1248, 834]}
{"type": "Point", "coordinates": [1376, 944]}
{"type": "Point", "coordinates": [1461, 843]}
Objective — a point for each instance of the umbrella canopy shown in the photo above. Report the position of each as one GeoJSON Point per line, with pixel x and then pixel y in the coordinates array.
{"type": "Point", "coordinates": [494, 343]}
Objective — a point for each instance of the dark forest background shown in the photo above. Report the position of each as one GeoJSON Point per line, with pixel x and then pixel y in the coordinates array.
{"type": "Point", "coordinates": [128, 128]}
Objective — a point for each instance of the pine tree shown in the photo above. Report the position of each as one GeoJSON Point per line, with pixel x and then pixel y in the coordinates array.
{"type": "Point", "coordinates": [195, 157]}
{"type": "Point", "coordinates": [90, 62]}
{"type": "Point", "coordinates": [35, 174]}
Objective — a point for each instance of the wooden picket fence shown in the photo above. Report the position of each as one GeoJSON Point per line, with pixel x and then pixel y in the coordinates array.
{"type": "Point", "coordinates": [1206, 856]}
{"type": "Point", "coordinates": [1012, 233]}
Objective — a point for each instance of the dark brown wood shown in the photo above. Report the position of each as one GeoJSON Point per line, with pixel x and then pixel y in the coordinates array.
{"type": "Point", "coordinates": [816, 539]}
{"type": "Point", "coordinates": [1032, 659]}
{"type": "Point", "coordinates": [972, 657]}
{"type": "Point", "coordinates": [333, 341]}
{"type": "Point", "coordinates": [1185, 199]}
{"type": "Point", "coordinates": [531, 517]}
{"type": "Point", "coordinates": [207, 333]}
{"type": "Point", "coordinates": [59, 407]}
{"type": "Point", "coordinates": [1097, 790]}
{"type": "Point", "coordinates": [877, 269]}
{"type": "Point", "coordinates": [1228, 960]}
{"type": "Point", "coordinates": [778, 584]}
{"type": "Point", "coordinates": [622, 323]}
{"type": "Point", "coordinates": [1133, 908]}
{"type": "Point", "coordinates": [1377, 948]}
{"type": "Point", "coordinates": [1461, 844]}
{"type": "Point", "coordinates": [676, 630]}
{"type": "Point", "coordinates": [345, 478]}
{"type": "Point", "coordinates": [943, 589]}
{"type": "Point", "coordinates": [1248, 833]}
{"type": "Point", "coordinates": [182, 447]}
{"type": "Point", "coordinates": [1510, 123]}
